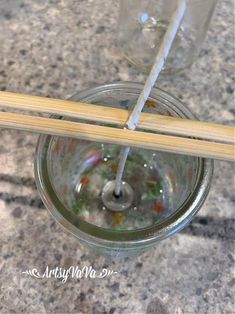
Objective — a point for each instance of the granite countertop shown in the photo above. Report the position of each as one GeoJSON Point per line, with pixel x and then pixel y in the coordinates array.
{"type": "Point", "coordinates": [55, 48]}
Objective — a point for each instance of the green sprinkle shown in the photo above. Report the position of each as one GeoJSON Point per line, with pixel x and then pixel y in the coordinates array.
{"type": "Point", "coordinates": [155, 190]}
{"type": "Point", "coordinates": [111, 125]}
{"type": "Point", "coordinates": [124, 104]}
{"type": "Point", "coordinates": [75, 208]}
{"type": "Point", "coordinates": [104, 174]}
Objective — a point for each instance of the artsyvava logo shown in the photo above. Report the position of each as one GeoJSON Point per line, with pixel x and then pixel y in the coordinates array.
{"type": "Point", "coordinates": [71, 272]}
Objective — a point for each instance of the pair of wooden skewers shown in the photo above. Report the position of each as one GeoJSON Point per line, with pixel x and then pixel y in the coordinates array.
{"type": "Point", "coordinates": [209, 140]}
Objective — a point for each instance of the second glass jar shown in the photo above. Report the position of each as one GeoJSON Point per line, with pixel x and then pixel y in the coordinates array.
{"type": "Point", "coordinates": [142, 25]}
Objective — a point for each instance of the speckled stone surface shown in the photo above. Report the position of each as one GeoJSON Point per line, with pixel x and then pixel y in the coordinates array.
{"type": "Point", "coordinates": [56, 48]}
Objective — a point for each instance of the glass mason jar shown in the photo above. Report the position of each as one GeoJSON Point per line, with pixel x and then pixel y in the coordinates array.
{"type": "Point", "coordinates": [142, 25]}
{"type": "Point", "coordinates": [168, 189]}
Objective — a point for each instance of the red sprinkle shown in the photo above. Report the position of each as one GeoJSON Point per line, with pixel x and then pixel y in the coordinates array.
{"type": "Point", "coordinates": [58, 147]}
{"type": "Point", "coordinates": [190, 173]}
{"type": "Point", "coordinates": [84, 180]}
{"type": "Point", "coordinates": [159, 207]}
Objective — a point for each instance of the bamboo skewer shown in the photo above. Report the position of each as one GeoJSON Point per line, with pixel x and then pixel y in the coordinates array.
{"type": "Point", "coordinates": [124, 137]}
{"type": "Point", "coordinates": [97, 113]}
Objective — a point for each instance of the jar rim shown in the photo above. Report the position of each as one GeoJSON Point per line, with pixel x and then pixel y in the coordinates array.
{"type": "Point", "coordinates": [88, 232]}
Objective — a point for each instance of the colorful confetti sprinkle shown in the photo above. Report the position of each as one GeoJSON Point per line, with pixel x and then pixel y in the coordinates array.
{"type": "Point", "coordinates": [151, 184]}
{"type": "Point", "coordinates": [124, 104]}
{"type": "Point", "coordinates": [151, 103]}
{"type": "Point", "coordinates": [111, 125]}
{"type": "Point", "coordinates": [84, 180]}
{"type": "Point", "coordinates": [169, 113]}
{"type": "Point", "coordinates": [154, 187]}
{"type": "Point", "coordinates": [58, 147]}
{"type": "Point", "coordinates": [159, 207]}
{"type": "Point", "coordinates": [118, 219]}
{"type": "Point", "coordinates": [190, 173]}
{"type": "Point", "coordinates": [104, 174]}
{"type": "Point", "coordinates": [114, 167]}
{"type": "Point", "coordinates": [75, 208]}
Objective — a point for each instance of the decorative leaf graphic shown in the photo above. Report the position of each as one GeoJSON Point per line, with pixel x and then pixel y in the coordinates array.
{"type": "Point", "coordinates": [33, 273]}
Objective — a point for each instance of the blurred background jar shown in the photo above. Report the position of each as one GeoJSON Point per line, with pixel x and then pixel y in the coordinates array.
{"type": "Point", "coordinates": [143, 23]}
